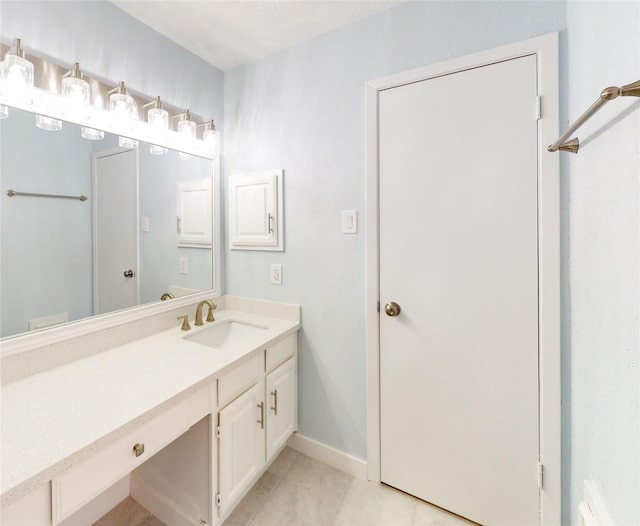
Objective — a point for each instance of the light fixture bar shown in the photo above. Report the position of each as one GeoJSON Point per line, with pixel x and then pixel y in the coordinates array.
{"type": "Point", "coordinates": [48, 77]}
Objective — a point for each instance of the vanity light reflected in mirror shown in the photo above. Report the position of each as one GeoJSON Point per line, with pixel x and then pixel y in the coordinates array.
{"type": "Point", "coordinates": [48, 123]}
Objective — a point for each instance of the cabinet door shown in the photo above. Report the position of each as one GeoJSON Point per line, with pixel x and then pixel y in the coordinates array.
{"type": "Point", "coordinates": [241, 445]}
{"type": "Point", "coordinates": [195, 219]}
{"type": "Point", "coordinates": [255, 211]}
{"type": "Point", "coordinates": [282, 413]}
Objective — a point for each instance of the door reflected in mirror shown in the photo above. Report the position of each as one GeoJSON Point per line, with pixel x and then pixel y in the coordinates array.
{"type": "Point", "coordinates": [64, 259]}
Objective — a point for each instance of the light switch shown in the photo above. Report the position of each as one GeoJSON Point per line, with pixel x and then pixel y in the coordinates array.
{"type": "Point", "coordinates": [184, 265]}
{"type": "Point", "coordinates": [349, 221]}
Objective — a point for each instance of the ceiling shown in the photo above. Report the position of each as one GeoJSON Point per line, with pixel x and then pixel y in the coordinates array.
{"type": "Point", "coordinates": [229, 33]}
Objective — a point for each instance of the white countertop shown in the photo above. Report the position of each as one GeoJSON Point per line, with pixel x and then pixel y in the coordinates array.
{"type": "Point", "coordinates": [55, 419]}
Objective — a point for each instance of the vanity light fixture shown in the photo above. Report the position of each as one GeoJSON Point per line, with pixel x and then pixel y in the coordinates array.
{"type": "Point", "coordinates": [75, 89]}
{"type": "Point", "coordinates": [62, 93]}
{"type": "Point", "coordinates": [16, 74]}
{"type": "Point", "coordinates": [158, 119]}
{"type": "Point", "coordinates": [210, 135]}
{"type": "Point", "coordinates": [121, 104]}
{"type": "Point", "coordinates": [123, 107]}
{"type": "Point", "coordinates": [91, 134]}
{"type": "Point", "coordinates": [48, 123]}
{"type": "Point", "coordinates": [186, 127]}
{"type": "Point", "coordinates": [186, 131]}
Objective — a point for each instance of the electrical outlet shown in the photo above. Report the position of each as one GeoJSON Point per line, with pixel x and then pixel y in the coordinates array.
{"type": "Point", "coordinates": [145, 223]}
{"type": "Point", "coordinates": [276, 274]}
{"type": "Point", "coordinates": [184, 265]}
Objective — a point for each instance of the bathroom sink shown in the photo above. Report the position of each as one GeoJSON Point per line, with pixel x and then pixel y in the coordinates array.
{"type": "Point", "coordinates": [226, 333]}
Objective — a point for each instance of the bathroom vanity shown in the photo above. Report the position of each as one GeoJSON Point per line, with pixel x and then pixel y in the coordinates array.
{"type": "Point", "coordinates": [184, 421]}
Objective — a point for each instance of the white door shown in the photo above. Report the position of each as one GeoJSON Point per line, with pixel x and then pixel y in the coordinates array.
{"type": "Point", "coordinates": [458, 254]}
{"type": "Point", "coordinates": [281, 397]}
{"type": "Point", "coordinates": [241, 445]}
{"type": "Point", "coordinates": [115, 283]}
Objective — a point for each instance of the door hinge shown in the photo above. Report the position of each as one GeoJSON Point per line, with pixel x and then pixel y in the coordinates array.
{"type": "Point", "coordinates": [378, 307]}
{"type": "Point", "coordinates": [538, 107]}
{"type": "Point", "coordinates": [218, 431]}
{"type": "Point", "coordinates": [218, 499]}
{"type": "Point", "coordinates": [540, 475]}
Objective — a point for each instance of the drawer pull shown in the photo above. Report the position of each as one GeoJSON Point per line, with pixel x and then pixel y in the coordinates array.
{"type": "Point", "coordinates": [138, 449]}
{"type": "Point", "coordinates": [261, 421]}
{"type": "Point", "coordinates": [274, 407]}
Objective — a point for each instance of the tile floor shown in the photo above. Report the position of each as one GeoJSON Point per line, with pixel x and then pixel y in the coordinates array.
{"type": "Point", "coordinates": [299, 491]}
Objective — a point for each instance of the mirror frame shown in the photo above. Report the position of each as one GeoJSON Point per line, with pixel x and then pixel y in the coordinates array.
{"type": "Point", "coordinates": [50, 104]}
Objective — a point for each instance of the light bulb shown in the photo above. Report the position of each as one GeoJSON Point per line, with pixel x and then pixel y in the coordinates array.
{"type": "Point", "coordinates": [91, 134]}
{"type": "Point", "coordinates": [48, 123]}
{"type": "Point", "coordinates": [4, 112]}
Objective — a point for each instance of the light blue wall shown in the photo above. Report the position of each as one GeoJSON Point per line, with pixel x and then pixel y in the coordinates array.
{"type": "Point", "coordinates": [303, 110]}
{"type": "Point", "coordinates": [46, 250]}
{"type": "Point", "coordinates": [601, 380]}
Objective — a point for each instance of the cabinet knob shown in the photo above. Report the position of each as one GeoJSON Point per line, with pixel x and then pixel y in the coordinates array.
{"type": "Point", "coordinates": [138, 449]}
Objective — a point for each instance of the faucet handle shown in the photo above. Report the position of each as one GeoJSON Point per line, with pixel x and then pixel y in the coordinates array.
{"type": "Point", "coordinates": [210, 313]}
{"type": "Point", "coordinates": [185, 322]}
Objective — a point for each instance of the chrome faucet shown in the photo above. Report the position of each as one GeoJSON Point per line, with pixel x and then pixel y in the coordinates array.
{"type": "Point", "coordinates": [210, 317]}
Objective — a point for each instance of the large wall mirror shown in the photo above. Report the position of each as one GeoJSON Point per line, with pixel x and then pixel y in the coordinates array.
{"type": "Point", "coordinates": [143, 233]}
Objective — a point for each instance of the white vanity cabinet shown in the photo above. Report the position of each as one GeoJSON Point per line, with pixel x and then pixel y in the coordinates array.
{"type": "Point", "coordinates": [80, 485]}
{"type": "Point", "coordinates": [282, 406]}
{"type": "Point", "coordinates": [256, 425]}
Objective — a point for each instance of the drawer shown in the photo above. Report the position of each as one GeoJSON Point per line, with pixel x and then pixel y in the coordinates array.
{"type": "Point", "coordinates": [281, 352]}
{"type": "Point", "coordinates": [239, 379]}
{"type": "Point", "coordinates": [77, 487]}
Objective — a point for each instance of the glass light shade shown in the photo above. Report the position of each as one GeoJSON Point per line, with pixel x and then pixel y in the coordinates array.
{"type": "Point", "coordinates": [122, 105]}
{"type": "Point", "coordinates": [158, 119]}
{"type": "Point", "coordinates": [157, 150]}
{"type": "Point", "coordinates": [48, 123]}
{"type": "Point", "coordinates": [16, 75]}
{"type": "Point", "coordinates": [4, 112]}
{"type": "Point", "coordinates": [187, 129]}
{"type": "Point", "coordinates": [76, 92]}
{"type": "Point", "coordinates": [91, 134]}
{"type": "Point", "coordinates": [126, 142]}
{"type": "Point", "coordinates": [210, 137]}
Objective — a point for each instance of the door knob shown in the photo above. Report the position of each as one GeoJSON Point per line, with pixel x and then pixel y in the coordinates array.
{"type": "Point", "coordinates": [392, 308]}
{"type": "Point", "coordinates": [129, 273]}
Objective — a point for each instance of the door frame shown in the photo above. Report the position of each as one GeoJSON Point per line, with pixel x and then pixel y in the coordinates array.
{"type": "Point", "coordinates": [94, 215]}
{"type": "Point", "coordinates": [545, 48]}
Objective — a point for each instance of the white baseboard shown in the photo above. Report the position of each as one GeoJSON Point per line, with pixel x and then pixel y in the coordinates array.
{"type": "Point", "coordinates": [159, 504]}
{"type": "Point", "coordinates": [592, 509]}
{"type": "Point", "coordinates": [351, 465]}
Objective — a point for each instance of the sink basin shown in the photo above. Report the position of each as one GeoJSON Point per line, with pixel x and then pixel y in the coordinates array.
{"type": "Point", "coordinates": [226, 333]}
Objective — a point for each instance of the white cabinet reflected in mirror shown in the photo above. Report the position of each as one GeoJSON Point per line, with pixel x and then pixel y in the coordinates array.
{"type": "Point", "coordinates": [69, 259]}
